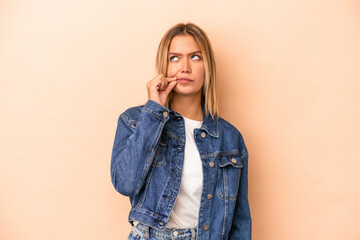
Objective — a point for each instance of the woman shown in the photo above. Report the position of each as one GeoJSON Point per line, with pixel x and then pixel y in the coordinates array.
{"type": "Point", "coordinates": [183, 167]}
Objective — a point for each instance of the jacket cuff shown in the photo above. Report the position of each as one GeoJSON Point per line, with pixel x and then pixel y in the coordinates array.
{"type": "Point", "coordinates": [157, 110]}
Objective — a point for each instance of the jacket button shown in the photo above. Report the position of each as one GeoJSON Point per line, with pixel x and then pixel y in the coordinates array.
{"type": "Point", "coordinates": [165, 114]}
{"type": "Point", "coordinates": [233, 160]}
{"type": "Point", "coordinates": [211, 164]}
{"type": "Point", "coordinates": [206, 227]}
{"type": "Point", "coordinates": [203, 134]}
{"type": "Point", "coordinates": [209, 196]}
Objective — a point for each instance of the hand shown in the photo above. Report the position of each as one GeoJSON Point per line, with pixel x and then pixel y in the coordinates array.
{"type": "Point", "coordinates": [159, 88]}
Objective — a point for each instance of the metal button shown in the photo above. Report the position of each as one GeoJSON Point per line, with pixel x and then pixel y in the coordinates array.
{"type": "Point", "coordinates": [206, 227]}
{"type": "Point", "coordinates": [209, 196]}
{"type": "Point", "coordinates": [175, 233]}
{"type": "Point", "coordinates": [211, 164]}
{"type": "Point", "coordinates": [203, 134]}
{"type": "Point", "coordinates": [165, 114]}
{"type": "Point", "coordinates": [233, 160]}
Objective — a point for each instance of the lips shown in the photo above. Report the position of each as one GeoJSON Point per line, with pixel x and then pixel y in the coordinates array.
{"type": "Point", "coordinates": [184, 80]}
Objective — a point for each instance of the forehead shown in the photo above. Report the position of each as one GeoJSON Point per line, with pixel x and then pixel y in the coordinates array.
{"type": "Point", "coordinates": [183, 44]}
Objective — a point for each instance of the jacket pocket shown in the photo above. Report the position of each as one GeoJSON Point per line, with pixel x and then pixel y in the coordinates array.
{"type": "Point", "coordinates": [229, 176]}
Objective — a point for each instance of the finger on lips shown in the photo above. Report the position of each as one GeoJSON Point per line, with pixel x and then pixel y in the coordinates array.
{"type": "Point", "coordinates": [162, 85]}
{"type": "Point", "coordinates": [161, 82]}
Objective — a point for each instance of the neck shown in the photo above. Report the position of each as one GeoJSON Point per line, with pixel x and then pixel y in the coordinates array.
{"type": "Point", "coordinates": [188, 106]}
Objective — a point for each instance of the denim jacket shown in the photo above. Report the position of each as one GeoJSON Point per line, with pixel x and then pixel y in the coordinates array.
{"type": "Point", "coordinates": [146, 165]}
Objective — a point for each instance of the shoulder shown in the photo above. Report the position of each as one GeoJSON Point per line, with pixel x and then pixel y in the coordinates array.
{"type": "Point", "coordinates": [229, 132]}
{"type": "Point", "coordinates": [226, 127]}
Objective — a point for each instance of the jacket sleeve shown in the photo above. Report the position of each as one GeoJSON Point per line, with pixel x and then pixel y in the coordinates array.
{"type": "Point", "coordinates": [134, 147]}
{"type": "Point", "coordinates": [241, 224]}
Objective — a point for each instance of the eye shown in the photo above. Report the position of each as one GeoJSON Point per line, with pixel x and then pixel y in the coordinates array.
{"type": "Point", "coordinates": [173, 58]}
{"type": "Point", "coordinates": [195, 57]}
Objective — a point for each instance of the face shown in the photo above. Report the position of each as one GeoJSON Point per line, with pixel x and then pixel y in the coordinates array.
{"type": "Point", "coordinates": [186, 63]}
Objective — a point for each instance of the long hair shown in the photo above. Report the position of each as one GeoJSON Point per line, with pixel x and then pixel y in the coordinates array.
{"type": "Point", "coordinates": [209, 94]}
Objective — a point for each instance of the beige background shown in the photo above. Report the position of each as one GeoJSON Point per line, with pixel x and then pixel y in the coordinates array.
{"type": "Point", "coordinates": [289, 71]}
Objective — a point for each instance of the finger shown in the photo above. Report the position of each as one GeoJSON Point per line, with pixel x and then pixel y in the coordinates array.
{"type": "Point", "coordinates": [171, 79]}
{"type": "Point", "coordinates": [170, 86]}
{"type": "Point", "coordinates": [154, 83]}
{"type": "Point", "coordinates": [155, 80]}
{"type": "Point", "coordinates": [162, 84]}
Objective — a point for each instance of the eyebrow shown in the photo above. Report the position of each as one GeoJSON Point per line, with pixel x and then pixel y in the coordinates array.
{"type": "Point", "coordinates": [175, 53]}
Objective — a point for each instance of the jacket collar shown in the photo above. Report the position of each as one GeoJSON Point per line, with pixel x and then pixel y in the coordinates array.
{"type": "Point", "coordinates": [210, 124]}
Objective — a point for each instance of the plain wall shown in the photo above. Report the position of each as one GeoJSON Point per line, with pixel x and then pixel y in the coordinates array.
{"type": "Point", "coordinates": [289, 81]}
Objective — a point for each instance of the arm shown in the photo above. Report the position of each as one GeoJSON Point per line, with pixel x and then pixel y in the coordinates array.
{"type": "Point", "coordinates": [134, 149]}
{"type": "Point", "coordinates": [241, 224]}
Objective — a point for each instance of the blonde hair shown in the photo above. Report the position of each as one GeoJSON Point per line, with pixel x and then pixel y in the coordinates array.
{"type": "Point", "coordinates": [209, 94]}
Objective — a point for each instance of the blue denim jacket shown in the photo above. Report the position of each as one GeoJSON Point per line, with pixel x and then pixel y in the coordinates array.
{"type": "Point", "coordinates": [146, 165]}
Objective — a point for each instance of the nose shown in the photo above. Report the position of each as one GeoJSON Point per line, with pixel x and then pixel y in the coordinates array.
{"type": "Point", "coordinates": [185, 66]}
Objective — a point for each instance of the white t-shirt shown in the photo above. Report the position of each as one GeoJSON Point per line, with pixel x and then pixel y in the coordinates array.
{"type": "Point", "coordinates": [186, 209]}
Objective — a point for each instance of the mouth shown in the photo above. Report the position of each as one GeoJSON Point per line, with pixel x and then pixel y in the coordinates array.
{"type": "Point", "coordinates": [184, 80]}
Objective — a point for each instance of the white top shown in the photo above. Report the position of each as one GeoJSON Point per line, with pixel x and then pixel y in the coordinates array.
{"type": "Point", "coordinates": [186, 209]}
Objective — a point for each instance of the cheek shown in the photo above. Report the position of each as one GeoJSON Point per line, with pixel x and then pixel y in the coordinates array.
{"type": "Point", "coordinates": [172, 70]}
{"type": "Point", "coordinates": [202, 72]}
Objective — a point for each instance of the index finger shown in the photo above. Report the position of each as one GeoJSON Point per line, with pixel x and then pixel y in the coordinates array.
{"type": "Point", "coordinates": [171, 79]}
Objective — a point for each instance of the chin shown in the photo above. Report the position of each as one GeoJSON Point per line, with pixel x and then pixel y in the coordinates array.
{"type": "Point", "coordinates": [186, 92]}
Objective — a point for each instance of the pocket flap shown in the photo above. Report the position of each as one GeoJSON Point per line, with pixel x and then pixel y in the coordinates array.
{"type": "Point", "coordinates": [233, 160]}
